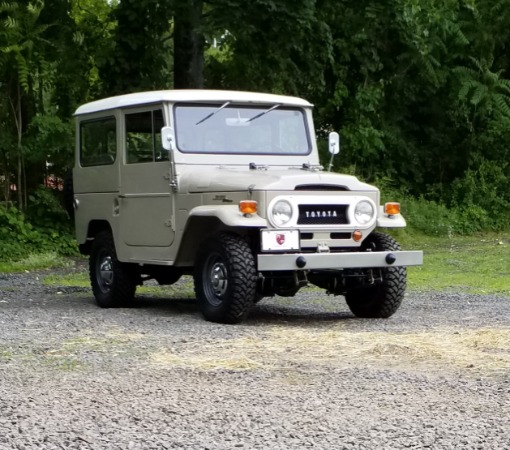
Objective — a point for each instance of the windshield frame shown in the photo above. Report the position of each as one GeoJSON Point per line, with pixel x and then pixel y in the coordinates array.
{"type": "Point", "coordinates": [259, 110]}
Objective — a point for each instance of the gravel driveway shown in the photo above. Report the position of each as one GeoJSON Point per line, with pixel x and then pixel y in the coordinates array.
{"type": "Point", "coordinates": [298, 373]}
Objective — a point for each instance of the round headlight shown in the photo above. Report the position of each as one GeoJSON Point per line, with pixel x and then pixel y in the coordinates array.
{"type": "Point", "coordinates": [281, 213]}
{"type": "Point", "coordinates": [364, 212]}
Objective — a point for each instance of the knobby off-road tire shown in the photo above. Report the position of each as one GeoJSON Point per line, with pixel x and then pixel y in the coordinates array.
{"type": "Point", "coordinates": [225, 279]}
{"type": "Point", "coordinates": [381, 300]}
{"type": "Point", "coordinates": [113, 283]}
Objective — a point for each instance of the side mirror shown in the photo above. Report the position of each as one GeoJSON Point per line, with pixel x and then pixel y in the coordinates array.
{"type": "Point", "coordinates": [334, 147]}
{"type": "Point", "coordinates": [334, 143]}
{"type": "Point", "coordinates": [168, 138]}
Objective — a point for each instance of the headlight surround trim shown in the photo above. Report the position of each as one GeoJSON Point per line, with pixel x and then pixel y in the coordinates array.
{"type": "Point", "coordinates": [364, 212]}
{"type": "Point", "coordinates": [281, 213]}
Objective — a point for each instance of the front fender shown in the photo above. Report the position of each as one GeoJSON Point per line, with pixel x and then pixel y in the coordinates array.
{"type": "Point", "coordinates": [396, 221]}
{"type": "Point", "coordinates": [229, 215]}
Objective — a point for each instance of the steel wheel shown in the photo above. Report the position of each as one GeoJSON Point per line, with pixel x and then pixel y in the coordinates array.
{"type": "Point", "coordinates": [113, 282]}
{"type": "Point", "coordinates": [217, 284]}
{"type": "Point", "coordinates": [225, 279]}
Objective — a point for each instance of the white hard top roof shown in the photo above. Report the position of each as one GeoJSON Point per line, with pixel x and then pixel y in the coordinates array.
{"type": "Point", "coordinates": [185, 95]}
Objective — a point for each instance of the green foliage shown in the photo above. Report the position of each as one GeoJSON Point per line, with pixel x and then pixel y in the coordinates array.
{"type": "Point", "coordinates": [486, 91]}
{"type": "Point", "coordinates": [473, 207]}
{"type": "Point", "coordinates": [49, 137]}
{"type": "Point", "coordinates": [45, 228]}
{"type": "Point", "coordinates": [139, 57]}
{"type": "Point", "coordinates": [483, 195]}
{"type": "Point", "coordinates": [419, 91]}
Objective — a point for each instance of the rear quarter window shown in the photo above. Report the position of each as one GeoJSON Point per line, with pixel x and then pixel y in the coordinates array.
{"type": "Point", "coordinates": [98, 142]}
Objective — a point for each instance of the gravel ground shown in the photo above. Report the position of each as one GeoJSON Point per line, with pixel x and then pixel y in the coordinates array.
{"type": "Point", "coordinates": [298, 373]}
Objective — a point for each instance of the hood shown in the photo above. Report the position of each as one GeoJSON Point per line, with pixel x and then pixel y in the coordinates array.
{"type": "Point", "coordinates": [220, 179]}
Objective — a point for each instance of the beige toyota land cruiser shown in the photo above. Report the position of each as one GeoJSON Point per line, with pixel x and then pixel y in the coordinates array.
{"type": "Point", "coordinates": [227, 187]}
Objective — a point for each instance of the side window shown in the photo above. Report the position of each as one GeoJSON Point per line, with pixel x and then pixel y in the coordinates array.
{"type": "Point", "coordinates": [98, 142]}
{"type": "Point", "coordinates": [143, 137]}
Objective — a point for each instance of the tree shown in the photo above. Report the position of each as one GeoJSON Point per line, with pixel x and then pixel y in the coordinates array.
{"type": "Point", "coordinates": [139, 58]}
{"type": "Point", "coordinates": [23, 67]}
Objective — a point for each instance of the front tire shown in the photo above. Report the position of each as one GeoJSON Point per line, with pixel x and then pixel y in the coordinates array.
{"type": "Point", "coordinates": [383, 299]}
{"type": "Point", "coordinates": [225, 279]}
{"type": "Point", "coordinates": [113, 283]}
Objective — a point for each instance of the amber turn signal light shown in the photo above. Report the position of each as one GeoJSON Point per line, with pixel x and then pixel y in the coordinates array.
{"type": "Point", "coordinates": [392, 209]}
{"type": "Point", "coordinates": [248, 206]}
{"type": "Point", "coordinates": [357, 236]}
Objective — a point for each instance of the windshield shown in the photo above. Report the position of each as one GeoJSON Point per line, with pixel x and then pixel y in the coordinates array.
{"type": "Point", "coordinates": [227, 128]}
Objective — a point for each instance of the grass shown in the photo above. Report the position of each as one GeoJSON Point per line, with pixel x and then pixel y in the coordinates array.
{"type": "Point", "coordinates": [475, 264]}
{"type": "Point", "coordinates": [35, 262]}
{"type": "Point", "coordinates": [80, 279]}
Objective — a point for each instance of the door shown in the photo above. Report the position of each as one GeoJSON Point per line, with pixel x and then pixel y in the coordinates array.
{"type": "Point", "coordinates": [146, 208]}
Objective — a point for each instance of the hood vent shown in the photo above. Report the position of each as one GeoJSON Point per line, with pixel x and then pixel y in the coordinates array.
{"type": "Point", "coordinates": [320, 187]}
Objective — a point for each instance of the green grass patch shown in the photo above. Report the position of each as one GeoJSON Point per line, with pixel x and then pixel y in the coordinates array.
{"type": "Point", "coordinates": [182, 289]}
{"type": "Point", "coordinates": [477, 264]}
{"type": "Point", "coordinates": [36, 262]}
{"type": "Point", "coordinates": [80, 279]}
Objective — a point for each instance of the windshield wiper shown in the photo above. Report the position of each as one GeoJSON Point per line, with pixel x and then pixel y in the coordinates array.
{"type": "Point", "coordinates": [264, 112]}
{"type": "Point", "coordinates": [213, 113]}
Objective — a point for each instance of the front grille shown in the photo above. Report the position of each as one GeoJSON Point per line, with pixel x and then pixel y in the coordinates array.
{"type": "Point", "coordinates": [320, 187]}
{"type": "Point", "coordinates": [323, 215]}
{"type": "Point", "coordinates": [340, 236]}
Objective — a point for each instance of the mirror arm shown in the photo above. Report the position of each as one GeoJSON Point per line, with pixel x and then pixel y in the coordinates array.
{"type": "Point", "coordinates": [330, 166]}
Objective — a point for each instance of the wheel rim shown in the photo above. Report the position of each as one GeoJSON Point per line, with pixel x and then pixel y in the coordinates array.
{"type": "Point", "coordinates": [216, 280]}
{"type": "Point", "coordinates": [104, 274]}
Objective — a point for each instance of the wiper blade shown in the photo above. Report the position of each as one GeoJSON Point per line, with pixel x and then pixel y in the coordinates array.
{"type": "Point", "coordinates": [213, 113]}
{"type": "Point", "coordinates": [264, 112]}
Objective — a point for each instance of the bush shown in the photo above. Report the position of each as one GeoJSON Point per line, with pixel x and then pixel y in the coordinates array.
{"type": "Point", "coordinates": [44, 228]}
{"type": "Point", "coordinates": [483, 195]}
{"type": "Point", "coordinates": [477, 203]}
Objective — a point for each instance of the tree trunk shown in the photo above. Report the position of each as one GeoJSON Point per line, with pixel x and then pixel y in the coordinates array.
{"type": "Point", "coordinates": [188, 46]}
{"type": "Point", "coordinates": [19, 126]}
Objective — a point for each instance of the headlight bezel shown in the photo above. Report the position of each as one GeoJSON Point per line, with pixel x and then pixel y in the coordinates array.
{"type": "Point", "coordinates": [286, 209]}
{"type": "Point", "coordinates": [364, 212]}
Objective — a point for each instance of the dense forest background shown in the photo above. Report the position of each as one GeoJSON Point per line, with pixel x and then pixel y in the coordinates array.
{"type": "Point", "coordinates": [418, 89]}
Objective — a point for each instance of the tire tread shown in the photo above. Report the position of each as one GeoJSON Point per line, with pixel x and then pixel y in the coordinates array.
{"type": "Point", "coordinates": [242, 279]}
{"type": "Point", "coordinates": [384, 300]}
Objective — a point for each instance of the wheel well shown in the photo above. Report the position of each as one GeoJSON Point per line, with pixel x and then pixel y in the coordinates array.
{"type": "Point", "coordinates": [95, 227]}
{"type": "Point", "coordinates": [199, 229]}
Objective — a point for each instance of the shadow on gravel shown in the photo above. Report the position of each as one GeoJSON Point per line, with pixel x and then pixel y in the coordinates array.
{"type": "Point", "coordinates": [262, 313]}
{"type": "Point", "coordinates": [301, 316]}
{"type": "Point", "coordinates": [171, 305]}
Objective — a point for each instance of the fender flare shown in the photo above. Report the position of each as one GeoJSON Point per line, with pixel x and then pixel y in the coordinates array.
{"type": "Point", "coordinates": [229, 215]}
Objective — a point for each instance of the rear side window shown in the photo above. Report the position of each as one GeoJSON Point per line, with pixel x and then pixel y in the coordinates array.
{"type": "Point", "coordinates": [98, 142]}
{"type": "Point", "coordinates": [143, 137]}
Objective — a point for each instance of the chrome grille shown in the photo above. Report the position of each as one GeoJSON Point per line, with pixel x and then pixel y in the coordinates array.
{"type": "Point", "coordinates": [323, 215]}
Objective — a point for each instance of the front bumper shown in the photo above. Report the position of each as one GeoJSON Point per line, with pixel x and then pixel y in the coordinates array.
{"type": "Point", "coordinates": [338, 261]}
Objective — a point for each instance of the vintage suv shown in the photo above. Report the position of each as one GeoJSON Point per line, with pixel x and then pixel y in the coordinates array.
{"type": "Point", "coordinates": [227, 186]}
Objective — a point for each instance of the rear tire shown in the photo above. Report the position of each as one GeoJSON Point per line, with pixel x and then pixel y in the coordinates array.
{"type": "Point", "coordinates": [380, 300]}
{"type": "Point", "coordinates": [225, 279]}
{"type": "Point", "coordinates": [113, 282]}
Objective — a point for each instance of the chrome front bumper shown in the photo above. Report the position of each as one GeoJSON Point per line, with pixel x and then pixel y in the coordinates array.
{"type": "Point", "coordinates": [338, 261]}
